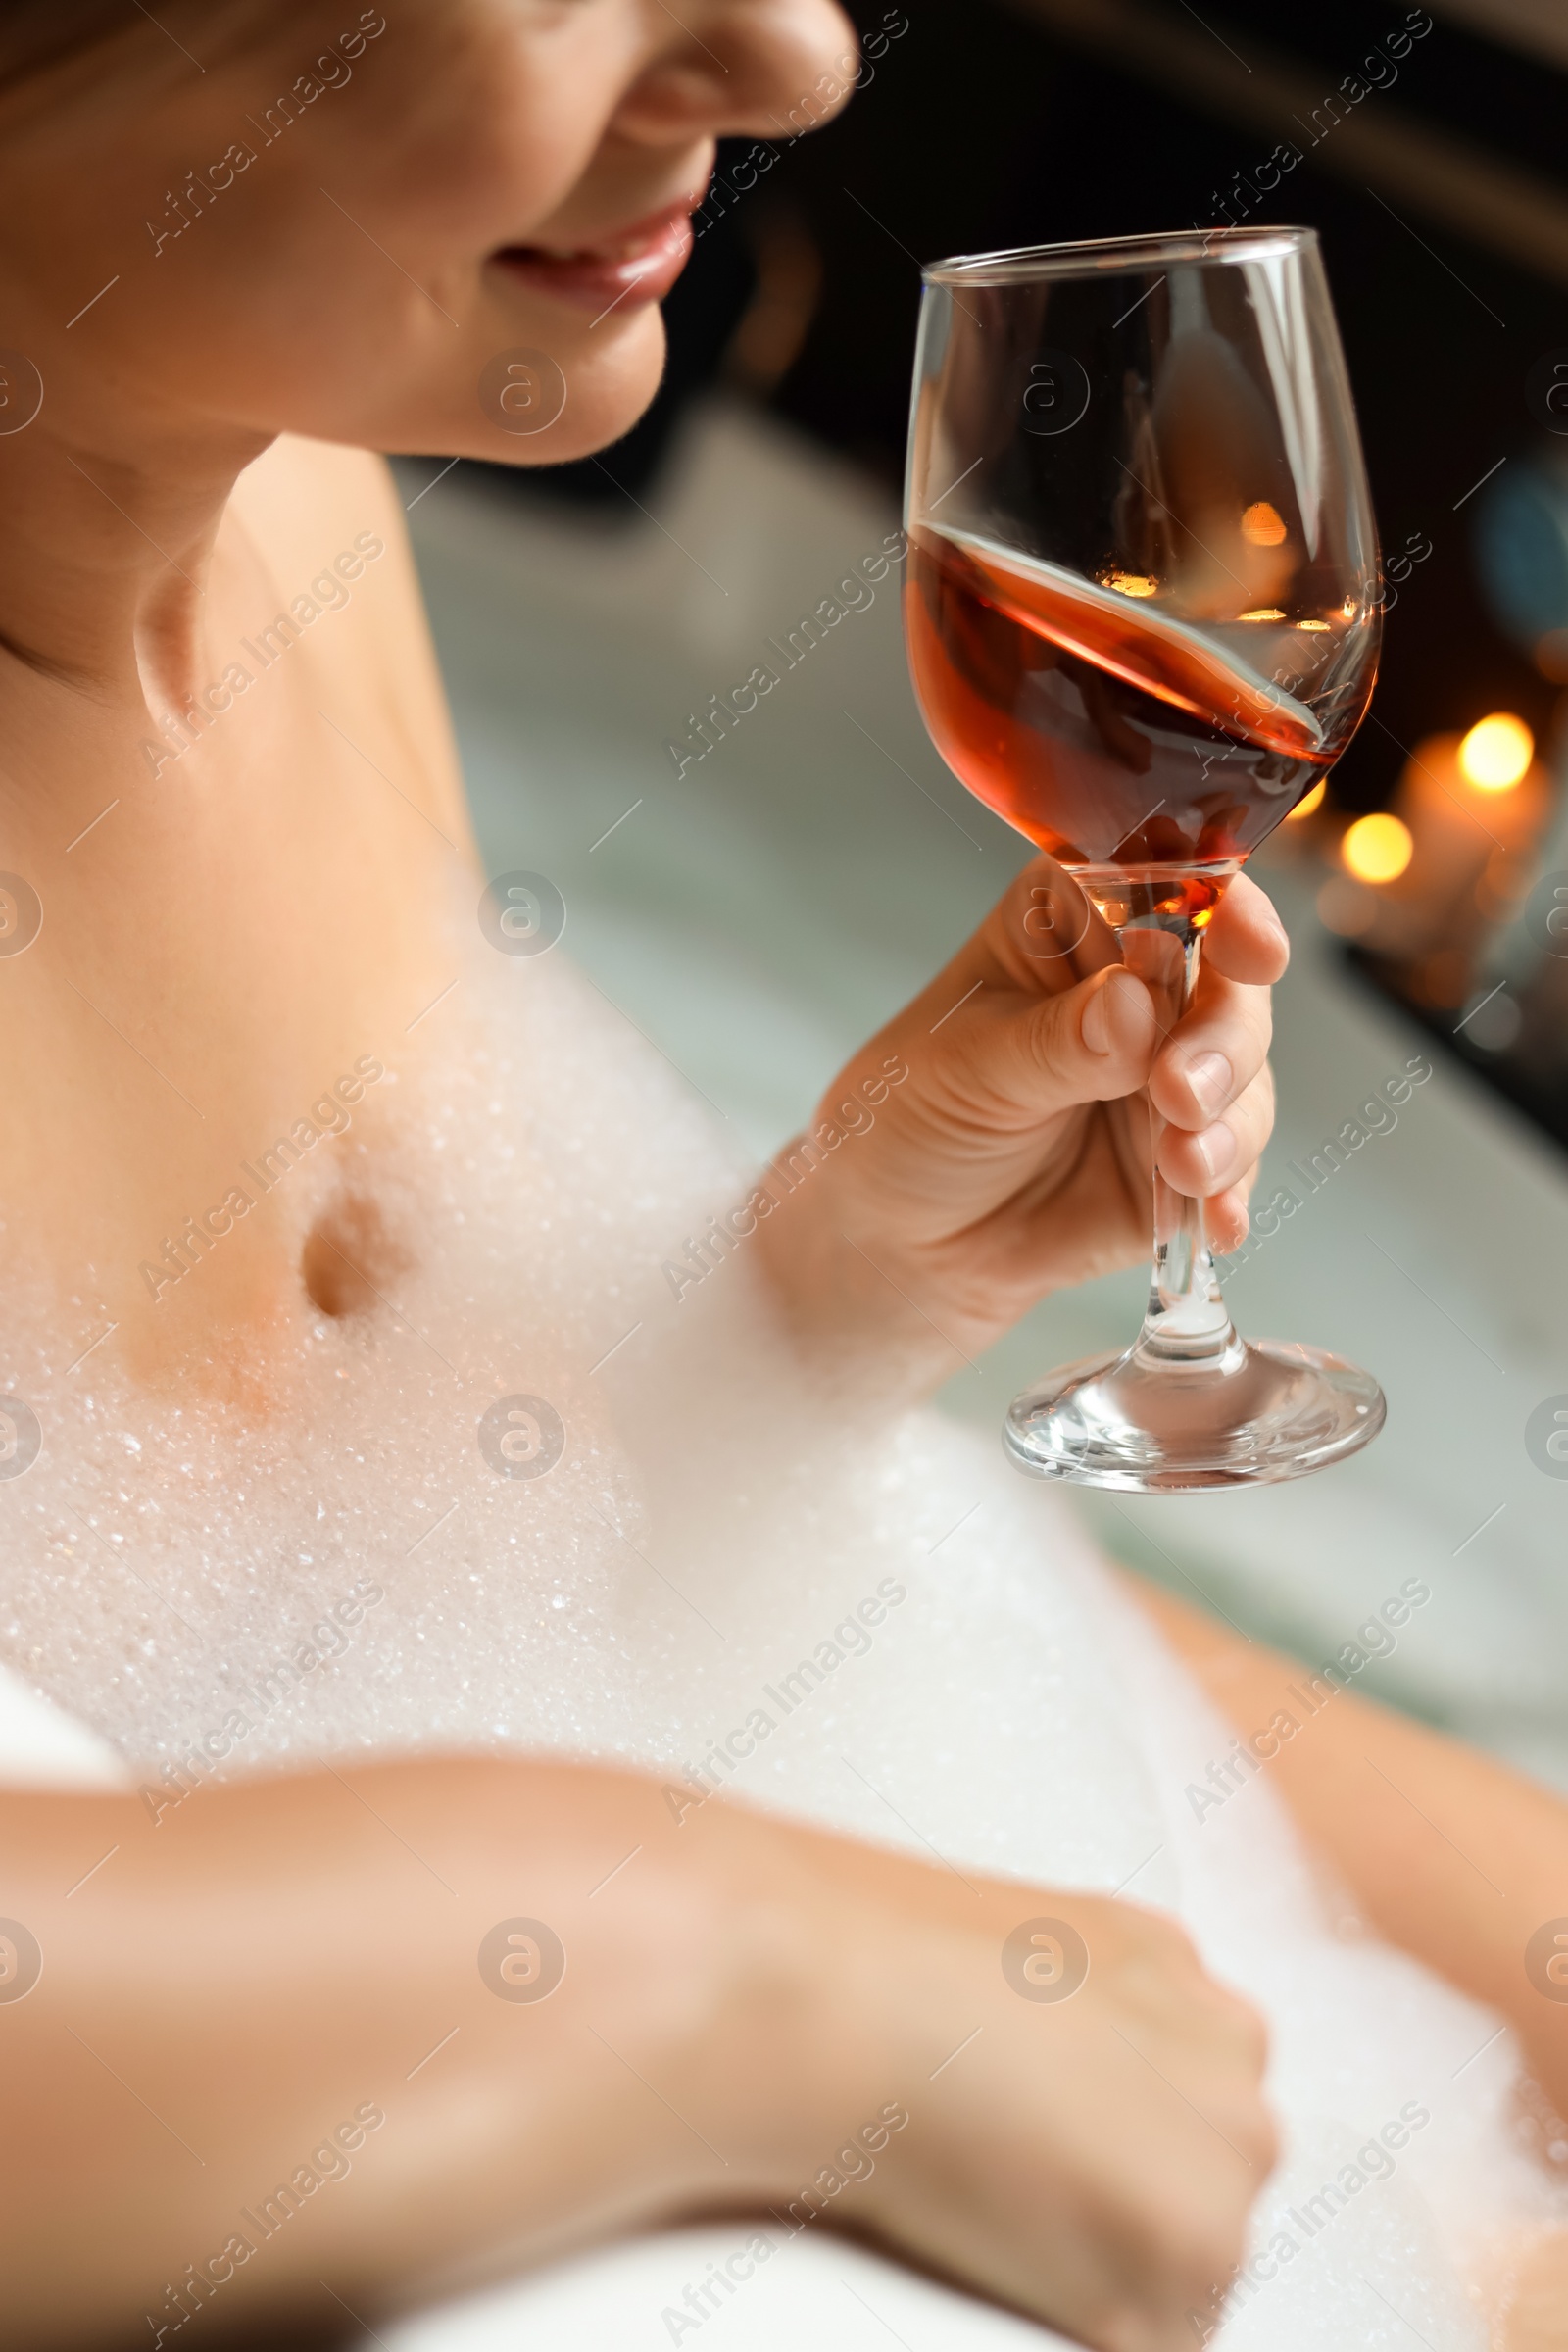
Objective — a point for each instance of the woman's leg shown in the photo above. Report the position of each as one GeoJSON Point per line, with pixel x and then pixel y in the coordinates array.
{"type": "Point", "coordinates": [1449, 1854]}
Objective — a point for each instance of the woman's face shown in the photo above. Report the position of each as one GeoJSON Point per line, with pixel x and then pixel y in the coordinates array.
{"type": "Point", "coordinates": [437, 226]}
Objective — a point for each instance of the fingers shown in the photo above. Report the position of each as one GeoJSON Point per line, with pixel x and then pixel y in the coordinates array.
{"type": "Point", "coordinates": [1044, 932]}
{"type": "Point", "coordinates": [1246, 941]}
{"type": "Point", "coordinates": [1005, 1065]}
{"type": "Point", "coordinates": [1210, 1082]}
{"type": "Point", "coordinates": [1038, 1019]}
{"type": "Point", "coordinates": [1222, 1152]}
{"type": "Point", "coordinates": [1042, 935]}
{"type": "Point", "coordinates": [1213, 1055]}
{"type": "Point", "coordinates": [1226, 1221]}
{"type": "Point", "coordinates": [1094, 2158]}
{"type": "Point", "coordinates": [1090, 1044]}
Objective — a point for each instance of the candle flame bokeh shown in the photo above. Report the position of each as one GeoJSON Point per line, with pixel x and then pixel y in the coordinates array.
{"type": "Point", "coordinates": [1377, 847]}
{"type": "Point", "coordinates": [1497, 753]}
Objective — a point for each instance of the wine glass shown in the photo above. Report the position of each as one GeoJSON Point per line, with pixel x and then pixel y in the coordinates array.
{"type": "Point", "coordinates": [1143, 617]}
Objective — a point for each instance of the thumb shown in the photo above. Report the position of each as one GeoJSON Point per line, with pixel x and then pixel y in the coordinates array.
{"type": "Point", "coordinates": [1092, 1043]}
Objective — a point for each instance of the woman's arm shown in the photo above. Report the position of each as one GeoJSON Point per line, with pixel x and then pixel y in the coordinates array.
{"type": "Point", "coordinates": [1449, 1854]}
{"type": "Point", "coordinates": [281, 2038]}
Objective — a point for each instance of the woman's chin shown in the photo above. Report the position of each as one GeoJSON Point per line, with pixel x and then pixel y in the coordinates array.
{"type": "Point", "coordinates": [546, 400]}
{"type": "Point", "coordinates": [572, 436]}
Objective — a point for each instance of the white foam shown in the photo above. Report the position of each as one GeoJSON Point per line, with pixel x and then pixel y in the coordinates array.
{"type": "Point", "coordinates": [708, 1526]}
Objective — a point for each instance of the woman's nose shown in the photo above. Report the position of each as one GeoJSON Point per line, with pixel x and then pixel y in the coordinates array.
{"type": "Point", "coordinates": [766, 69]}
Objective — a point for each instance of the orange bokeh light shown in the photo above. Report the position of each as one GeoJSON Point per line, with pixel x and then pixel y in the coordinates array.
{"type": "Point", "coordinates": [1377, 847]}
{"type": "Point", "coordinates": [1497, 753]}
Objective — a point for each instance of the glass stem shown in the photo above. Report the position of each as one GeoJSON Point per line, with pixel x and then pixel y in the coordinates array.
{"type": "Point", "coordinates": [1185, 1323]}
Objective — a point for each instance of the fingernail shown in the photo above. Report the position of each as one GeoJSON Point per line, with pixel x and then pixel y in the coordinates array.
{"type": "Point", "coordinates": [1095, 1026]}
{"type": "Point", "coordinates": [1212, 1078]}
{"type": "Point", "coordinates": [1215, 1147]}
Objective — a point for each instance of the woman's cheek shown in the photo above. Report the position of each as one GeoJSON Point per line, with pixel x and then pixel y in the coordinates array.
{"type": "Point", "coordinates": [496, 122]}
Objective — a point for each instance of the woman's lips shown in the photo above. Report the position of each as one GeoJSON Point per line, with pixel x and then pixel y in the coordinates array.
{"type": "Point", "coordinates": [635, 266]}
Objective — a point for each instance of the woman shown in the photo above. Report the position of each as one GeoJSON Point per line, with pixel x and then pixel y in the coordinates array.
{"type": "Point", "coordinates": [357, 1413]}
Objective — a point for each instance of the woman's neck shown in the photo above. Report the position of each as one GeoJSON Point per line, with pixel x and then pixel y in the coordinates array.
{"type": "Point", "coordinates": [106, 552]}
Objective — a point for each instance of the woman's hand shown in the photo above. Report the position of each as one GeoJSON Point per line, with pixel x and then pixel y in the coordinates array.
{"type": "Point", "coordinates": [1091, 2159]}
{"type": "Point", "coordinates": [992, 1143]}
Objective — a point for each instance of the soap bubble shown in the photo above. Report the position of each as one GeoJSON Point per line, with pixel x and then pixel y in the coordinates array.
{"type": "Point", "coordinates": [522, 1437]}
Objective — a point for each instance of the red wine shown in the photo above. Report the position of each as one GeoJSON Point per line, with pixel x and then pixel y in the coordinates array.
{"type": "Point", "coordinates": [1109, 734]}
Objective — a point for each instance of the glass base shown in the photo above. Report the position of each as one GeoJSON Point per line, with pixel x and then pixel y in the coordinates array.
{"type": "Point", "coordinates": [1263, 1412]}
